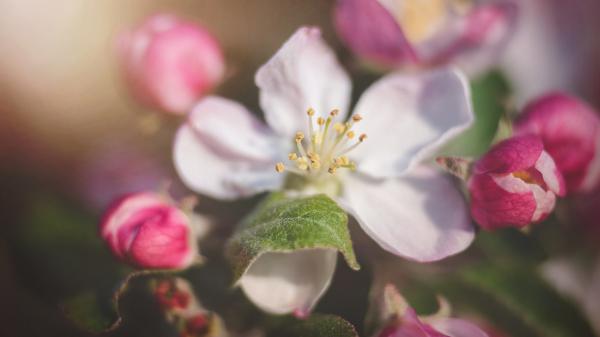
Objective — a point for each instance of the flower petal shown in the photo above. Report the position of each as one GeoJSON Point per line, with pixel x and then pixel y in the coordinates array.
{"type": "Point", "coordinates": [511, 155]}
{"type": "Point", "coordinates": [224, 152]}
{"type": "Point", "coordinates": [482, 36]}
{"type": "Point", "coordinates": [458, 328]}
{"type": "Point", "coordinates": [421, 216]}
{"type": "Point", "coordinates": [501, 201]}
{"type": "Point", "coordinates": [382, 42]}
{"type": "Point", "coordinates": [281, 283]}
{"type": "Point", "coordinates": [408, 117]}
{"type": "Point", "coordinates": [303, 74]}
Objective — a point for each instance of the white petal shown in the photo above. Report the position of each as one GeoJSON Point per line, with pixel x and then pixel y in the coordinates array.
{"type": "Point", "coordinates": [408, 117]}
{"type": "Point", "coordinates": [421, 216]}
{"type": "Point", "coordinates": [304, 73]}
{"type": "Point", "coordinates": [224, 152]}
{"type": "Point", "coordinates": [281, 283]}
{"type": "Point", "coordinates": [457, 328]}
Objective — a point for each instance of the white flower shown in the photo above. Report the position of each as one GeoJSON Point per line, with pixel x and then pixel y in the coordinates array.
{"type": "Point", "coordinates": [409, 209]}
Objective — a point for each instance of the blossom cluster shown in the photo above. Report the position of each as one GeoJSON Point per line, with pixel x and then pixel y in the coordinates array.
{"type": "Point", "coordinates": [376, 160]}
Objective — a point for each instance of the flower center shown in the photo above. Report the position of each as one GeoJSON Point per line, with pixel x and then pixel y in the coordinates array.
{"type": "Point", "coordinates": [326, 147]}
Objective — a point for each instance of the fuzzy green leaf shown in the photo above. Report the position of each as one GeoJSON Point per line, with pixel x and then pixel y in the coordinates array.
{"type": "Point", "coordinates": [318, 325]}
{"type": "Point", "coordinates": [281, 224]}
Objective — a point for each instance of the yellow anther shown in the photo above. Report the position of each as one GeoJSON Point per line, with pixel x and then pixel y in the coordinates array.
{"type": "Point", "coordinates": [313, 156]}
{"type": "Point", "coordinates": [332, 169]}
{"type": "Point", "coordinates": [334, 112]}
{"type": "Point", "coordinates": [345, 160]}
{"type": "Point", "coordinates": [356, 118]}
{"type": "Point", "coordinates": [310, 112]}
{"type": "Point", "coordinates": [321, 121]}
{"type": "Point", "coordinates": [292, 156]}
{"type": "Point", "coordinates": [339, 127]}
{"type": "Point", "coordinates": [362, 137]}
{"type": "Point", "coordinates": [350, 134]}
{"type": "Point", "coordinates": [299, 136]}
{"type": "Point", "coordinates": [315, 165]}
{"type": "Point", "coordinates": [279, 167]}
{"type": "Point", "coordinates": [302, 163]}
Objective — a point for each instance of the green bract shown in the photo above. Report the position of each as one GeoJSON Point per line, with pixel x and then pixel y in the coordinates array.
{"type": "Point", "coordinates": [281, 224]}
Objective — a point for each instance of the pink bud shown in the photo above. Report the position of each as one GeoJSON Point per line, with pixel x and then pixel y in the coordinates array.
{"type": "Point", "coordinates": [570, 130]}
{"type": "Point", "coordinates": [426, 33]}
{"type": "Point", "coordinates": [515, 184]}
{"type": "Point", "coordinates": [146, 231]}
{"type": "Point", "coordinates": [170, 63]}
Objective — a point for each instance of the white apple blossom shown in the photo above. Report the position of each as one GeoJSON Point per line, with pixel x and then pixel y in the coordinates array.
{"type": "Point", "coordinates": [309, 145]}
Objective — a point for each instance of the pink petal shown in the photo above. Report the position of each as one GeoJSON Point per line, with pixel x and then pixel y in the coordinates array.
{"type": "Point", "coordinates": [224, 152]}
{"type": "Point", "coordinates": [512, 155]}
{"type": "Point", "coordinates": [383, 42]}
{"type": "Point", "coordinates": [303, 74]}
{"type": "Point", "coordinates": [502, 201]}
{"type": "Point", "coordinates": [570, 130]}
{"type": "Point", "coordinates": [408, 117]}
{"type": "Point", "coordinates": [421, 216]}
{"type": "Point", "coordinates": [458, 328]}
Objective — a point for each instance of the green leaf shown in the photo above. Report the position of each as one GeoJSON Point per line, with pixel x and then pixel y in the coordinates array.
{"type": "Point", "coordinates": [525, 295]}
{"type": "Point", "coordinates": [490, 94]}
{"type": "Point", "coordinates": [318, 325]}
{"type": "Point", "coordinates": [281, 224]}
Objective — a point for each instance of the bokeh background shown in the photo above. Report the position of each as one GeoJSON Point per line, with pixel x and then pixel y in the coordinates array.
{"type": "Point", "coordinates": [72, 138]}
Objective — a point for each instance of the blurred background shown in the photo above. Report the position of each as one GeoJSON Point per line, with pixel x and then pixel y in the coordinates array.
{"type": "Point", "coordinates": [72, 138]}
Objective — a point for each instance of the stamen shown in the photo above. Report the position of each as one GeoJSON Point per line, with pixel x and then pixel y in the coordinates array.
{"type": "Point", "coordinates": [362, 137]}
{"type": "Point", "coordinates": [334, 112]}
{"type": "Point", "coordinates": [279, 167]}
{"type": "Point", "coordinates": [311, 131]}
{"type": "Point", "coordinates": [292, 156]}
{"type": "Point", "coordinates": [356, 118]}
{"type": "Point", "coordinates": [350, 134]}
{"type": "Point", "coordinates": [302, 163]}
{"type": "Point", "coordinates": [339, 127]}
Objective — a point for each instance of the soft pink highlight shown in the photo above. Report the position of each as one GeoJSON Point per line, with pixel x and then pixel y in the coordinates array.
{"type": "Point", "coordinates": [570, 131]}
{"type": "Point", "coordinates": [515, 184]}
{"type": "Point", "coordinates": [146, 231]}
{"type": "Point", "coordinates": [170, 63]}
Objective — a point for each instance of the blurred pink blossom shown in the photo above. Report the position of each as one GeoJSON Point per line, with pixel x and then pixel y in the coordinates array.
{"type": "Point", "coordinates": [515, 184]}
{"type": "Point", "coordinates": [427, 32]}
{"type": "Point", "coordinates": [170, 63]}
{"type": "Point", "coordinates": [570, 130]}
{"type": "Point", "coordinates": [401, 320]}
{"type": "Point", "coordinates": [147, 231]}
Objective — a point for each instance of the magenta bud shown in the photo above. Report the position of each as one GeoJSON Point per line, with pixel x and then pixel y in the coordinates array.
{"type": "Point", "coordinates": [146, 231]}
{"type": "Point", "coordinates": [170, 63]}
{"type": "Point", "coordinates": [515, 184]}
{"type": "Point", "coordinates": [409, 325]}
{"type": "Point", "coordinates": [570, 131]}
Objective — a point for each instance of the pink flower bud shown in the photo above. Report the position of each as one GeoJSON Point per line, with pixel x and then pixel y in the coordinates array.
{"type": "Point", "coordinates": [515, 184]}
{"type": "Point", "coordinates": [426, 33]}
{"type": "Point", "coordinates": [170, 63]}
{"type": "Point", "coordinates": [570, 130]}
{"type": "Point", "coordinates": [146, 231]}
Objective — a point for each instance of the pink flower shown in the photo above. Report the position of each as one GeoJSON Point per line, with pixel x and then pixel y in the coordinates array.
{"type": "Point", "coordinates": [570, 130]}
{"type": "Point", "coordinates": [426, 32]}
{"type": "Point", "coordinates": [170, 63]}
{"type": "Point", "coordinates": [515, 184]}
{"type": "Point", "coordinates": [146, 231]}
{"type": "Point", "coordinates": [402, 320]}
